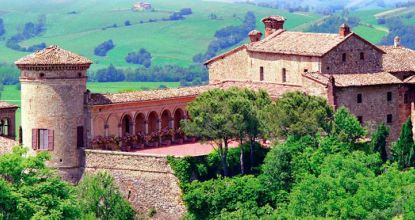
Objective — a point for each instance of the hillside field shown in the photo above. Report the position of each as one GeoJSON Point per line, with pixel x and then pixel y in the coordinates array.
{"type": "Point", "coordinates": [168, 41]}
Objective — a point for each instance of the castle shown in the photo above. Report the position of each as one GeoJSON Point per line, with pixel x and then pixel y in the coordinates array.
{"type": "Point", "coordinates": [61, 116]}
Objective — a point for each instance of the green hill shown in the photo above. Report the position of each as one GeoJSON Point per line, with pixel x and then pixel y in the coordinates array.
{"type": "Point", "coordinates": [80, 26]}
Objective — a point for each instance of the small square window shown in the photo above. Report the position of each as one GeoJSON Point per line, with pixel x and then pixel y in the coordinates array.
{"type": "Point", "coordinates": [359, 98]}
{"type": "Point", "coordinates": [389, 96]}
{"type": "Point", "coordinates": [305, 70]}
{"type": "Point", "coordinates": [360, 119]}
{"type": "Point", "coordinates": [389, 118]}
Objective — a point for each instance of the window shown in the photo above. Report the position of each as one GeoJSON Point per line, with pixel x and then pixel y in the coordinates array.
{"type": "Point", "coordinates": [344, 57]}
{"type": "Point", "coordinates": [305, 70]}
{"type": "Point", "coordinates": [362, 56]}
{"type": "Point", "coordinates": [360, 119]}
{"type": "Point", "coordinates": [389, 118]}
{"type": "Point", "coordinates": [261, 73]}
{"type": "Point", "coordinates": [284, 75]}
{"type": "Point", "coordinates": [42, 139]}
{"type": "Point", "coordinates": [80, 136]}
{"type": "Point", "coordinates": [389, 96]}
{"type": "Point", "coordinates": [359, 98]}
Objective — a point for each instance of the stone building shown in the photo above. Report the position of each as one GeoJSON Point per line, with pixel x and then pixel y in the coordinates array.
{"type": "Point", "coordinates": [61, 116]}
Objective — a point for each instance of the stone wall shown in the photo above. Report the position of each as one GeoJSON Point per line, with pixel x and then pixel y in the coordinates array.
{"type": "Point", "coordinates": [56, 104]}
{"type": "Point", "coordinates": [147, 181]}
{"type": "Point", "coordinates": [231, 67]}
{"type": "Point", "coordinates": [332, 62]}
{"type": "Point", "coordinates": [273, 65]}
{"type": "Point", "coordinates": [374, 107]}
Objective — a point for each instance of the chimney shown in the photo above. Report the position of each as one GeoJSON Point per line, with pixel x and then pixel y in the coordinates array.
{"type": "Point", "coordinates": [344, 30]}
{"type": "Point", "coordinates": [272, 24]}
{"type": "Point", "coordinates": [254, 36]}
{"type": "Point", "coordinates": [397, 41]}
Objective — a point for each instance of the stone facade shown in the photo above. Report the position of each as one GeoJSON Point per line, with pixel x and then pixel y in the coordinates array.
{"type": "Point", "coordinates": [147, 181]}
{"type": "Point", "coordinates": [360, 57]}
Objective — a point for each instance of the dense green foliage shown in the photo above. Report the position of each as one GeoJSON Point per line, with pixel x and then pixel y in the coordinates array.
{"type": "Point", "coordinates": [30, 190]}
{"type": "Point", "coordinates": [379, 139]}
{"type": "Point", "coordinates": [403, 151]}
{"type": "Point", "coordinates": [220, 116]}
{"type": "Point", "coordinates": [335, 174]}
{"type": "Point", "coordinates": [398, 28]}
{"type": "Point", "coordinates": [332, 23]}
{"type": "Point", "coordinates": [296, 114]}
{"type": "Point", "coordinates": [98, 195]}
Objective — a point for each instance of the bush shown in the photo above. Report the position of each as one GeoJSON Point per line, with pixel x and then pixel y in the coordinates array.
{"type": "Point", "coordinates": [207, 199]}
{"type": "Point", "coordinates": [103, 48]}
{"type": "Point", "coordinates": [142, 57]}
{"type": "Point", "coordinates": [99, 195]}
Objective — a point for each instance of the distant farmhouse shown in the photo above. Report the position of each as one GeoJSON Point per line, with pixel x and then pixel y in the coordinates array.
{"type": "Point", "coordinates": [59, 114]}
{"type": "Point", "coordinates": [142, 6]}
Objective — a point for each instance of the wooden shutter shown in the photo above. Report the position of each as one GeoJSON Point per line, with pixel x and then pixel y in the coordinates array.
{"type": "Point", "coordinates": [50, 140]}
{"type": "Point", "coordinates": [80, 136]}
{"type": "Point", "coordinates": [35, 139]}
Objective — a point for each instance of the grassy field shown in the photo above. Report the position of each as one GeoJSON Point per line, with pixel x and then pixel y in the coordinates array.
{"type": "Point", "coordinates": [168, 41]}
{"type": "Point", "coordinates": [12, 95]}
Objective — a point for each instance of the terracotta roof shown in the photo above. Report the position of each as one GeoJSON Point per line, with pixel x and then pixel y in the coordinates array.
{"type": "Point", "coordinates": [274, 90]}
{"type": "Point", "coordinates": [7, 105]}
{"type": "Point", "coordinates": [356, 79]}
{"type": "Point", "coordinates": [53, 55]}
{"type": "Point", "coordinates": [398, 59]}
{"type": "Point", "coordinates": [298, 43]}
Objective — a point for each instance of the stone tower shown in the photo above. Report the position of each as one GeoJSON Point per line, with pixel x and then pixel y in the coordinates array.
{"type": "Point", "coordinates": [53, 84]}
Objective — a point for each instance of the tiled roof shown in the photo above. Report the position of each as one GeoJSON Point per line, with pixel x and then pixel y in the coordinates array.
{"type": "Point", "coordinates": [298, 43]}
{"type": "Point", "coordinates": [273, 89]}
{"type": "Point", "coordinates": [53, 55]}
{"type": "Point", "coordinates": [7, 105]}
{"type": "Point", "coordinates": [398, 59]}
{"type": "Point", "coordinates": [356, 79]}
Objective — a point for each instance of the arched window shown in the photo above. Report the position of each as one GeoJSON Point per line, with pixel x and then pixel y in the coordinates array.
{"type": "Point", "coordinates": [126, 125]}
{"type": "Point", "coordinates": [284, 75]}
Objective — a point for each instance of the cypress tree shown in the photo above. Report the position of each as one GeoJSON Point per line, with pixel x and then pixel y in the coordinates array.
{"type": "Point", "coordinates": [378, 142]}
{"type": "Point", "coordinates": [404, 149]}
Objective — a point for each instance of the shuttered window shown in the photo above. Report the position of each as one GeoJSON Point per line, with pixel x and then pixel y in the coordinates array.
{"type": "Point", "coordinates": [42, 139]}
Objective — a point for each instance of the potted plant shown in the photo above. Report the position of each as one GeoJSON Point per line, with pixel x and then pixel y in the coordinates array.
{"type": "Point", "coordinates": [166, 135]}
{"type": "Point", "coordinates": [126, 142]}
{"type": "Point", "coordinates": [178, 135]}
{"type": "Point", "coordinates": [138, 140]}
{"type": "Point", "coordinates": [98, 142]}
{"type": "Point", "coordinates": [113, 143]}
{"type": "Point", "coordinates": [153, 139]}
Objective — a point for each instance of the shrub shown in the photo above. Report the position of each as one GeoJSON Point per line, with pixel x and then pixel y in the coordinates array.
{"type": "Point", "coordinates": [103, 48]}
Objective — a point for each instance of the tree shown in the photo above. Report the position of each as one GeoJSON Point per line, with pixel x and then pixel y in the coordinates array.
{"type": "Point", "coordinates": [103, 48]}
{"type": "Point", "coordinates": [110, 74]}
{"type": "Point", "coordinates": [346, 126]}
{"type": "Point", "coordinates": [2, 30]}
{"type": "Point", "coordinates": [403, 151]}
{"type": "Point", "coordinates": [297, 114]}
{"type": "Point", "coordinates": [30, 190]}
{"type": "Point", "coordinates": [98, 195]}
{"type": "Point", "coordinates": [142, 57]}
{"type": "Point", "coordinates": [378, 142]}
{"type": "Point", "coordinates": [209, 119]}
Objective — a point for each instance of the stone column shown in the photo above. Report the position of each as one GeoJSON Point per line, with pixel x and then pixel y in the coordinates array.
{"type": "Point", "coordinates": [132, 128]}
{"type": "Point", "coordinates": [119, 130]}
{"type": "Point", "coordinates": [106, 130]}
{"type": "Point", "coordinates": [146, 127]}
